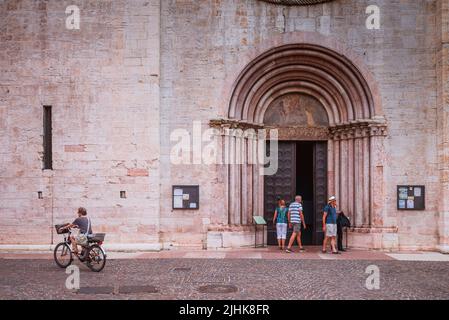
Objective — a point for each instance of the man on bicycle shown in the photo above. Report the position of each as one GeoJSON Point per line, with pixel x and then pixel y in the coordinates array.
{"type": "Point", "coordinates": [83, 224]}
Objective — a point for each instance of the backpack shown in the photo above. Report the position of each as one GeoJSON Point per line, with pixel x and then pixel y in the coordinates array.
{"type": "Point", "coordinates": [344, 220]}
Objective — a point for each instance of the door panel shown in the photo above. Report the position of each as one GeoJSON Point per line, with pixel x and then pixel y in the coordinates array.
{"type": "Point", "coordinates": [320, 188]}
{"type": "Point", "coordinates": [280, 185]}
{"type": "Point", "coordinates": [283, 185]}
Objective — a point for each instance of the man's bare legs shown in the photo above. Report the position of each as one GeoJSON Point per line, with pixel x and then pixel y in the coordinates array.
{"type": "Point", "coordinates": [292, 240]}
{"type": "Point", "coordinates": [333, 244]}
{"type": "Point", "coordinates": [325, 244]}
{"type": "Point", "coordinates": [298, 239]}
{"type": "Point", "coordinates": [297, 236]}
{"type": "Point", "coordinates": [74, 245]}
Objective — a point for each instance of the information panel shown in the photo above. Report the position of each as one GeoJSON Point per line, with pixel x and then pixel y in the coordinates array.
{"type": "Point", "coordinates": [411, 198]}
{"type": "Point", "coordinates": [186, 197]}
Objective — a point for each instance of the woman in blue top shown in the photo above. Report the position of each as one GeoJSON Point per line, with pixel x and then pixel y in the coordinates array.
{"type": "Point", "coordinates": [280, 219]}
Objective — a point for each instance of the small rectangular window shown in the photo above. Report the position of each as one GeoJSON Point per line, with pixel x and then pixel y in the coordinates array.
{"type": "Point", "coordinates": [48, 157]}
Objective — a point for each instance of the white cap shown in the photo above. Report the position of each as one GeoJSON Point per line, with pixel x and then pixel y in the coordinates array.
{"type": "Point", "coordinates": [332, 198]}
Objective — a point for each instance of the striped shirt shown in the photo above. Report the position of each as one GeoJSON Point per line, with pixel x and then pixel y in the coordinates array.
{"type": "Point", "coordinates": [295, 210]}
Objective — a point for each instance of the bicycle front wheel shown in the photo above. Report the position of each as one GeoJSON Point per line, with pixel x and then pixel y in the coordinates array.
{"type": "Point", "coordinates": [96, 258]}
{"type": "Point", "coordinates": [63, 255]}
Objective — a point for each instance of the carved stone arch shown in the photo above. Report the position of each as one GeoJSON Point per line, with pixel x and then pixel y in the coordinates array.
{"type": "Point", "coordinates": [355, 133]}
{"type": "Point", "coordinates": [313, 64]}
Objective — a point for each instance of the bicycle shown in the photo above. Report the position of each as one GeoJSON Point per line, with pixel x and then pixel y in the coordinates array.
{"type": "Point", "coordinates": [92, 253]}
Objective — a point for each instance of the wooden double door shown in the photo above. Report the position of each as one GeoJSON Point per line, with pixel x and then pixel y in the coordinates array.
{"type": "Point", "coordinates": [302, 170]}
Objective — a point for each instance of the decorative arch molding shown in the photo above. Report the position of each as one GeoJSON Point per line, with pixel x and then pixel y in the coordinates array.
{"type": "Point", "coordinates": [324, 69]}
{"type": "Point", "coordinates": [331, 76]}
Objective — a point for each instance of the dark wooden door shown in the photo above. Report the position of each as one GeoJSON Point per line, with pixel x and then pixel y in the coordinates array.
{"type": "Point", "coordinates": [320, 188]}
{"type": "Point", "coordinates": [280, 185]}
{"type": "Point", "coordinates": [283, 185]}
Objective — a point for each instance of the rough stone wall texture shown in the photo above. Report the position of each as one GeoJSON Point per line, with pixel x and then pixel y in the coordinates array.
{"type": "Point", "coordinates": [112, 126]}
{"type": "Point", "coordinates": [102, 82]}
{"type": "Point", "coordinates": [203, 41]}
{"type": "Point", "coordinates": [443, 121]}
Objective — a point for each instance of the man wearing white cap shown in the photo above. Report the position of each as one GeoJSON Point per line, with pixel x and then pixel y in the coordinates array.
{"type": "Point", "coordinates": [330, 224]}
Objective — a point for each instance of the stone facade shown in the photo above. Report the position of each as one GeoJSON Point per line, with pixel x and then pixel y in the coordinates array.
{"type": "Point", "coordinates": [102, 82]}
{"type": "Point", "coordinates": [137, 70]}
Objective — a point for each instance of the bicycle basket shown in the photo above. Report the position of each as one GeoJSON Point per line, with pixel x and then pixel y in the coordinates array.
{"type": "Point", "coordinates": [59, 226]}
{"type": "Point", "coordinates": [96, 237]}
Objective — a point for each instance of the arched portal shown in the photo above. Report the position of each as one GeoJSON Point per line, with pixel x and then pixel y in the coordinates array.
{"type": "Point", "coordinates": [350, 121]}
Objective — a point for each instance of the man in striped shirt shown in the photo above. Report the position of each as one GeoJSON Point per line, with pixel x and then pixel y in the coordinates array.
{"type": "Point", "coordinates": [295, 218]}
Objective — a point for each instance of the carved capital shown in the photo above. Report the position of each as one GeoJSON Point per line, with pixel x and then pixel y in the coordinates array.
{"type": "Point", "coordinates": [358, 129]}
{"type": "Point", "coordinates": [378, 130]}
{"type": "Point", "coordinates": [234, 124]}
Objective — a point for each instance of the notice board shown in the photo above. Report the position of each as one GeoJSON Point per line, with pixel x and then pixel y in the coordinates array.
{"type": "Point", "coordinates": [186, 197]}
{"type": "Point", "coordinates": [411, 198]}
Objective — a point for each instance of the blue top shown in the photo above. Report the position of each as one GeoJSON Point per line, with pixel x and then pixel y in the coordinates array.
{"type": "Point", "coordinates": [331, 217]}
{"type": "Point", "coordinates": [281, 215]}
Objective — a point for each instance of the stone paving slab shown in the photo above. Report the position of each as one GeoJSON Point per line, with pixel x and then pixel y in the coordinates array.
{"type": "Point", "coordinates": [249, 279]}
{"type": "Point", "coordinates": [421, 256]}
{"type": "Point", "coordinates": [311, 253]}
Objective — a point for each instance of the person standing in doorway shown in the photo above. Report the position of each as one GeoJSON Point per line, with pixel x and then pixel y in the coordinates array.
{"type": "Point", "coordinates": [295, 218]}
{"type": "Point", "coordinates": [330, 225]}
{"type": "Point", "coordinates": [280, 220]}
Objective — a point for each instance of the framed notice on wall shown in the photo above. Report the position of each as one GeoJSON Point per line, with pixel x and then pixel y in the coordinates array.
{"type": "Point", "coordinates": [186, 197]}
{"type": "Point", "coordinates": [411, 198]}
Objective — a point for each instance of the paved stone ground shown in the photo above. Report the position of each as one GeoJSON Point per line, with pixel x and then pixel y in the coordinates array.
{"type": "Point", "coordinates": [181, 278]}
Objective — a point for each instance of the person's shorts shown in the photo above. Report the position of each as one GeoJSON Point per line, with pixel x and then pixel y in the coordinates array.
{"type": "Point", "coordinates": [81, 239]}
{"type": "Point", "coordinates": [281, 230]}
{"type": "Point", "coordinates": [296, 228]}
{"type": "Point", "coordinates": [331, 230]}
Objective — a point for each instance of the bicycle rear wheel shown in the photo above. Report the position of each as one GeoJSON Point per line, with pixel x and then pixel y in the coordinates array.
{"type": "Point", "coordinates": [63, 255]}
{"type": "Point", "coordinates": [96, 258]}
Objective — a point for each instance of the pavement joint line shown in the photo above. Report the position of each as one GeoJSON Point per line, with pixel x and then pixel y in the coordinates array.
{"type": "Point", "coordinates": [271, 254]}
{"type": "Point", "coordinates": [326, 256]}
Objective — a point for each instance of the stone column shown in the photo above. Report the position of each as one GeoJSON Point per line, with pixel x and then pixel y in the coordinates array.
{"type": "Point", "coordinates": [358, 179]}
{"type": "Point", "coordinates": [227, 158]}
{"type": "Point", "coordinates": [351, 196]}
{"type": "Point", "coordinates": [330, 167]}
{"type": "Point", "coordinates": [251, 141]}
{"type": "Point", "coordinates": [366, 215]}
{"type": "Point", "coordinates": [377, 165]}
{"type": "Point", "coordinates": [344, 175]}
{"type": "Point", "coordinates": [259, 178]}
{"type": "Point", "coordinates": [238, 214]}
{"type": "Point", "coordinates": [337, 179]}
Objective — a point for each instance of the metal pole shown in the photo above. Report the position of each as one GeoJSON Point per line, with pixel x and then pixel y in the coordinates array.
{"type": "Point", "coordinates": [346, 237]}
{"type": "Point", "coordinates": [255, 235]}
{"type": "Point", "coordinates": [263, 236]}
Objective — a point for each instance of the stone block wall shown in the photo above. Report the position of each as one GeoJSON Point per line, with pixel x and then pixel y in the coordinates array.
{"type": "Point", "coordinates": [102, 82]}
{"type": "Point", "coordinates": [206, 44]}
{"type": "Point", "coordinates": [139, 69]}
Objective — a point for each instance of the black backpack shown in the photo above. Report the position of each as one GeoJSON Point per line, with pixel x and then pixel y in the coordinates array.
{"type": "Point", "coordinates": [344, 220]}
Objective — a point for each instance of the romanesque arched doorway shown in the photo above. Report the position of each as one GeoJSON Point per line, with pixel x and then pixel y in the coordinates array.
{"type": "Point", "coordinates": [302, 160]}
{"type": "Point", "coordinates": [310, 93]}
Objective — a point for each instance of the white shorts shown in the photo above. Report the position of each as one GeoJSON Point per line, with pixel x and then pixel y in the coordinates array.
{"type": "Point", "coordinates": [331, 230]}
{"type": "Point", "coordinates": [281, 230]}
